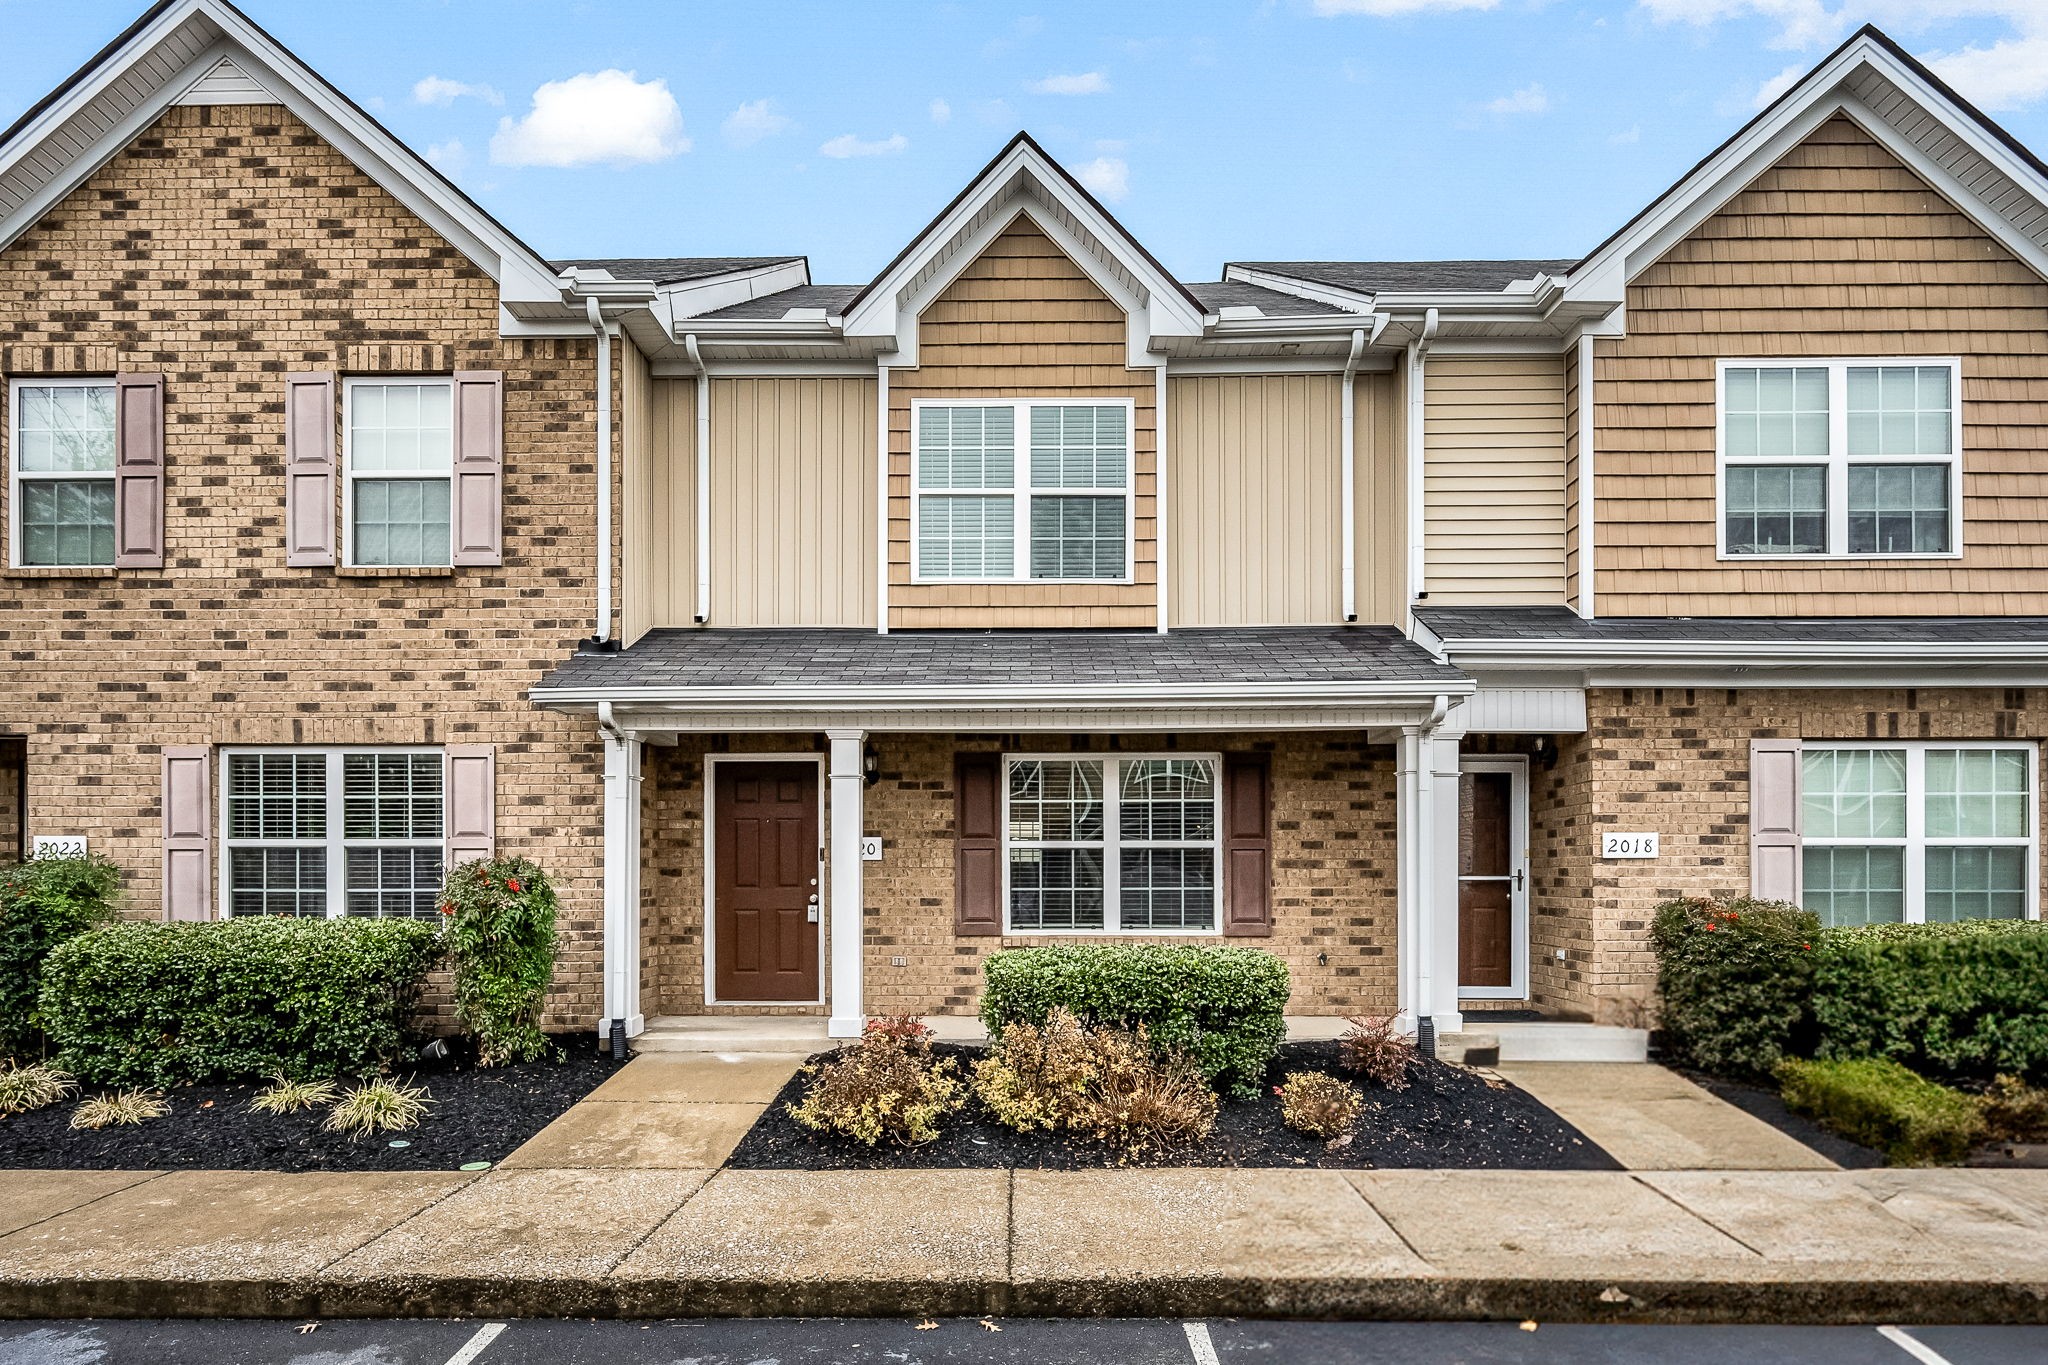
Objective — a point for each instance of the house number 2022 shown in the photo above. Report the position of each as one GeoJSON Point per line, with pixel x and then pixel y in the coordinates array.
{"type": "Point", "coordinates": [1628, 845]}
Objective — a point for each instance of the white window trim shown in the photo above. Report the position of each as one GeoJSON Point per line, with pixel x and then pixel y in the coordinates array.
{"type": "Point", "coordinates": [1838, 459]}
{"type": "Point", "coordinates": [1020, 491]}
{"type": "Point", "coordinates": [1112, 844]}
{"type": "Point", "coordinates": [1916, 841]}
{"type": "Point", "coordinates": [349, 474]}
{"type": "Point", "coordinates": [335, 844]}
{"type": "Point", "coordinates": [17, 475]}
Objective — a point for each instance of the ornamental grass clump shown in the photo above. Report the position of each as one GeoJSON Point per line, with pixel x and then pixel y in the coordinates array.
{"type": "Point", "coordinates": [26, 1088]}
{"type": "Point", "coordinates": [886, 1085]}
{"type": "Point", "coordinates": [1321, 1106]}
{"type": "Point", "coordinates": [1372, 1049]}
{"type": "Point", "coordinates": [378, 1107]}
{"type": "Point", "coordinates": [44, 903]}
{"type": "Point", "coordinates": [1735, 982]}
{"type": "Point", "coordinates": [286, 1096]}
{"type": "Point", "coordinates": [501, 941]}
{"type": "Point", "coordinates": [122, 1109]}
{"type": "Point", "coordinates": [1105, 1084]}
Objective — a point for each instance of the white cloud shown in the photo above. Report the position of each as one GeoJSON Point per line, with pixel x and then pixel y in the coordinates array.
{"type": "Point", "coordinates": [449, 157]}
{"type": "Point", "coordinates": [942, 112]}
{"type": "Point", "coordinates": [598, 117]}
{"type": "Point", "coordinates": [754, 120]}
{"type": "Point", "coordinates": [1530, 99]}
{"type": "Point", "coordinates": [1107, 177]}
{"type": "Point", "coordinates": [1082, 83]}
{"type": "Point", "coordinates": [1626, 136]}
{"type": "Point", "coordinates": [440, 90]}
{"type": "Point", "coordinates": [2010, 74]}
{"type": "Point", "coordinates": [850, 144]}
{"type": "Point", "coordinates": [1777, 85]}
{"type": "Point", "coordinates": [1387, 9]}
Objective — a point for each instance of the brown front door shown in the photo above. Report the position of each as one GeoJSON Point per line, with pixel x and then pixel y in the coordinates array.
{"type": "Point", "coordinates": [765, 893]}
{"type": "Point", "coordinates": [1488, 881]}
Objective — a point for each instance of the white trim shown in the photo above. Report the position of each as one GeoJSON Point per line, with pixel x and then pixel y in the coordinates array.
{"type": "Point", "coordinates": [1916, 841]}
{"type": "Point", "coordinates": [16, 475]}
{"type": "Point", "coordinates": [623, 850]}
{"type": "Point", "coordinates": [349, 384]}
{"type": "Point", "coordinates": [1112, 844]}
{"type": "Point", "coordinates": [336, 843]}
{"type": "Point", "coordinates": [1022, 492]}
{"type": "Point", "coordinates": [847, 922]}
{"type": "Point", "coordinates": [1517, 768]}
{"type": "Point", "coordinates": [1838, 458]}
{"type": "Point", "coordinates": [1183, 367]}
{"type": "Point", "coordinates": [710, 906]}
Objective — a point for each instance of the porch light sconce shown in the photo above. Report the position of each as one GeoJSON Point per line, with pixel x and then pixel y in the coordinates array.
{"type": "Point", "coordinates": [1544, 750]}
{"type": "Point", "coordinates": [870, 765]}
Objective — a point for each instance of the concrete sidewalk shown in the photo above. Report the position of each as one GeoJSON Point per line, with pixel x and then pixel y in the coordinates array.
{"type": "Point", "coordinates": [1842, 1246]}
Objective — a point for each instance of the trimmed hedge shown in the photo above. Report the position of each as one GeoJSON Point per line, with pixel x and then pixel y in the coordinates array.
{"type": "Point", "coordinates": [1965, 999]}
{"type": "Point", "coordinates": [1912, 1120]}
{"type": "Point", "coordinates": [1734, 979]}
{"type": "Point", "coordinates": [238, 999]}
{"type": "Point", "coordinates": [43, 903]}
{"type": "Point", "coordinates": [1224, 1007]}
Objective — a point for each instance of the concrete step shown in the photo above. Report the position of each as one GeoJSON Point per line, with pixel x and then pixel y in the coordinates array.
{"type": "Point", "coordinates": [796, 1033]}
{"type": "Point", "coordinates": [1567, 1042]}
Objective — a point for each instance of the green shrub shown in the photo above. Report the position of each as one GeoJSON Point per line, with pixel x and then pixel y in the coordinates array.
{"type": "Point", "coordinates": [43, 903]}
{"type": "Point", "coordinates": [238, 999]}
{"type": "Point", "coordinates": [1965, 999]}
{"type": "Point", "coordinates": [1224, 1008]}
{"type": "Point", "coordinates": [1734, 981]}
{"type": "Point", "coordinates": [501, 941]}
{"type": "Point", "coordinates": [1912, 1120]}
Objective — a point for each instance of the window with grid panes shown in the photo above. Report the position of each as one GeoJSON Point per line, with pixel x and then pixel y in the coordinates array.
{"type": "Point", "coordinates": [333, 832]}
{"type": "Point", "coordinates": [401, 464]}
{"type": "Point", "coordinates": [63, 472]}
{"type": "Point", "coordinates": [1107, 845]}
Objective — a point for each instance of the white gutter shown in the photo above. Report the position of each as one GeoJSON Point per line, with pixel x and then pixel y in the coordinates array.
{"type": "Point", "coordinates": [703, 480]}
{"type": "Point", "coordinates": [603, 634]}
{"type": "Point", "coordinates": [1348, 466]}
{"type": "Point", "coordinates": [955, 697]}
{"type": "Point", "coordinates": [882, 498]}
{"type": "Point", "coordinates": [1574, 653]}
{"type": "Point", "coordinates": [1418, 354]}
{"type": "Point", "coordinates": [1585, 434]}
{"type": "Point", "coordinates": [1161, 513]}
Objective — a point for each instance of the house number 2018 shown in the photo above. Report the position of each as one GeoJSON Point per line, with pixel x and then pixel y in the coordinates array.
{"type": "Point", "coordinates": [1628, 845]}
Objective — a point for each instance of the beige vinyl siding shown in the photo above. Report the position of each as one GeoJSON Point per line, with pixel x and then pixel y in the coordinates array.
{"type": "Point", "coordinates": [1382, 490]}
{"type": "Point", "coordinates": [1494, 479]}
{"type": "Point", "coordinates": [659, 486]}
{"type": "Point", "coordinates": [1022, 320]}
{"type": "Point", "coordinates": [1837, 251]}
{"type": "Point", "coordinates": [1573, 444]}
{"type": "Point", "coordinates": [792, 502]}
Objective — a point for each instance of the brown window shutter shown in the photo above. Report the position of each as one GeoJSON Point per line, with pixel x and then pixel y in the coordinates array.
{"type": "Point", "coordinates": [138, 471]}
{"type": "Point", "coordinates": [188, 831]}
{"type": "Point", "coordinates": [479, 496]}
{"type": "Point", "coordinates": [1247, 846]}
{"type": "Point", "coordinates": [470, 798]}
{"type": "Point", "coordinates": [309, 469]}
{"type": "Point", "coordinates": [1774, 851]}
{"type": "Point", "coordinates": [977, 844]}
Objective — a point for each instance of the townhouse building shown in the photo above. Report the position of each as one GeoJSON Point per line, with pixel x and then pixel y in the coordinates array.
{"type": "Point", "coordinates": [1424, 623]}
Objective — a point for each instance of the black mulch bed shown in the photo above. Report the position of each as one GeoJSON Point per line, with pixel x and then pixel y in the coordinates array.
{"type": "Point", "coordinates": [1760, 1102]}
{"type": "Point", "coordinates": [1447, 1117]}
{"type": "Point", "coordinates": [479, 1114]}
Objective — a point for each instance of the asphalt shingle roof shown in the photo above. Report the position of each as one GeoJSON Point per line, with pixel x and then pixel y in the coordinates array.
{"type": "Point", "coordinates": [1079, 658]}
{"type": "Point", "coordinates": [1406, 277]}
{"type": "Point", "coordinates": [1271, 302]}
{"type": "Point", "coordinates": [830, 297]}
{"type": "Point", "coordinates": [672, 269]}
{"type": "Point", "coordinates": [1564, 626]}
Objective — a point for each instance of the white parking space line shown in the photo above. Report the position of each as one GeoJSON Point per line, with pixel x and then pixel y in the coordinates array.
{"type": "Point", "coordinates": [1913, 1347]}
{"type": "Point", "coordinates": [1199, 1343]}
{"type": "Point", "coordinates": [474, 1347]}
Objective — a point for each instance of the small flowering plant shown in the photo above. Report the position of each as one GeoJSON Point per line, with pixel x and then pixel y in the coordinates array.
{"type": "Point", "coordinates": [500, 914]}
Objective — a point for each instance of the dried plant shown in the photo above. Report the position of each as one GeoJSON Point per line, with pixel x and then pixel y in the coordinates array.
{"type": "Point", "coordinates": [285, 1096]}
{"type": "Point", "coordinates": [885, 1085]}
{"type": "Point", "coordinates": [1102, 1083]}
{"type": "Point", "coordinates": [122, 1109]}
{"type": "Point", "coordinates": [1375, 1051]}
{"type": "Point", "coordinates": [1320, 1105]}
{"type": "Point", "coordinates": [378, 1107]}
{"type": "Point", "coordinates": [23, 1088]}
{"type": "Point", "coordinates": [2015, 1111]}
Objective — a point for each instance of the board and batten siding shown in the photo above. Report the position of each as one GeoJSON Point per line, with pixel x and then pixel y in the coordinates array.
{"type": "Point", "coordinates": [1022, 320]}
{"type": "Point", "coordinates": [657, 484]}
{"type": "Point", "coordinates": [1254, 511]}
{"type": "Point", "coordinates": [1837, 251]}
{"type": "Point", "coordinates": [1494, 480]}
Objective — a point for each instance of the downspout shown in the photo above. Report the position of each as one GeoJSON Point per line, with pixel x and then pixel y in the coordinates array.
{"type": "Point", "coordinates": [1348, 465]}
{"type": "Point", "coordinates": [1418, 352]}
{"type": "Point", "coordinates": [1585, 434]}
{"type": "Point", "coordinates": [703, 535]}
{"type": "Point", "coordinates": [601, 640]}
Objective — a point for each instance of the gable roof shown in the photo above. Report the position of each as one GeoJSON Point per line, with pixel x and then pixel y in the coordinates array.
{"type": "Point", "coordinates": [671, 269]}
{"type": "Point", "coordinates": [1408, 277]}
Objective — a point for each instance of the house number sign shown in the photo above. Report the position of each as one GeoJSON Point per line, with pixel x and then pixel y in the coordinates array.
{"type": "Point", "coordinates": [871, 848]}
{"type": "Point", "coordinates": [1614, 845]}
{"type": "Point", "coordinates": [59, 846]}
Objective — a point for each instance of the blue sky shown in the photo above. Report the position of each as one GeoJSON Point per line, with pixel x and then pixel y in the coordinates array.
{"type": "Point", "coordinates": [1217, 131]}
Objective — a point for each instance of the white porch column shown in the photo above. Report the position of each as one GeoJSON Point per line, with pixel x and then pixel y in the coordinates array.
{"type": "Point", "coordinates": [848, 904]}
{"type": "Point", "coordinates": [1440, 913]}
{"type": "Point", "coordinates": [621, 885]}
{"type": "Point", "coordinates": [1408, 827]}
{"type": "Point", "coordinates": [1426, 815]}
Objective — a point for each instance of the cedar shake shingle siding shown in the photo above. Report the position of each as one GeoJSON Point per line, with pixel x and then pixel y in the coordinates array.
{"type": "Point", "coordinates": [226, 248]}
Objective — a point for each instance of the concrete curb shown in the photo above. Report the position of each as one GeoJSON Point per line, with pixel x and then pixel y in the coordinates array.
{"type": "Point", "coordinates": [1420, 1298]}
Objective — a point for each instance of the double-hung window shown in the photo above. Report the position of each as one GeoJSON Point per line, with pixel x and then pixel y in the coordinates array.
{"type": "Point", "coordinates": [1918, 833]}
{"type": "Point", "coordinates": [1107, 845]}
{"type": "Point", "coordinates": [401, 464]}
{"type": "Point", "coordinates": [1840, 458]}
{"type": "Point", "coordinates": [331, 832]}
{"type": "Point", "coordinates": [1021, 490]}
{"type": "Point", "coordinates": [63, 494]}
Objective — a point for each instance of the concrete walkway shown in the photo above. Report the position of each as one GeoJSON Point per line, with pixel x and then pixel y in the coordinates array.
{"type": "Point", "coordinates": [1651, 1119]}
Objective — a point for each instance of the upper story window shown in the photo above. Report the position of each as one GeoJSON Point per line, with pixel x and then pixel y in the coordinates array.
{"type": "Point", "coordinates": [1840, 458]}
{"type": "Point", "coordinates": [329, 832]}
{"type": "Point", "coordinates": [400, 457]}
{"type": "Point", "coordinates": [1022, 491]}
{"type": "Point", "coordinates": [63, 468]}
